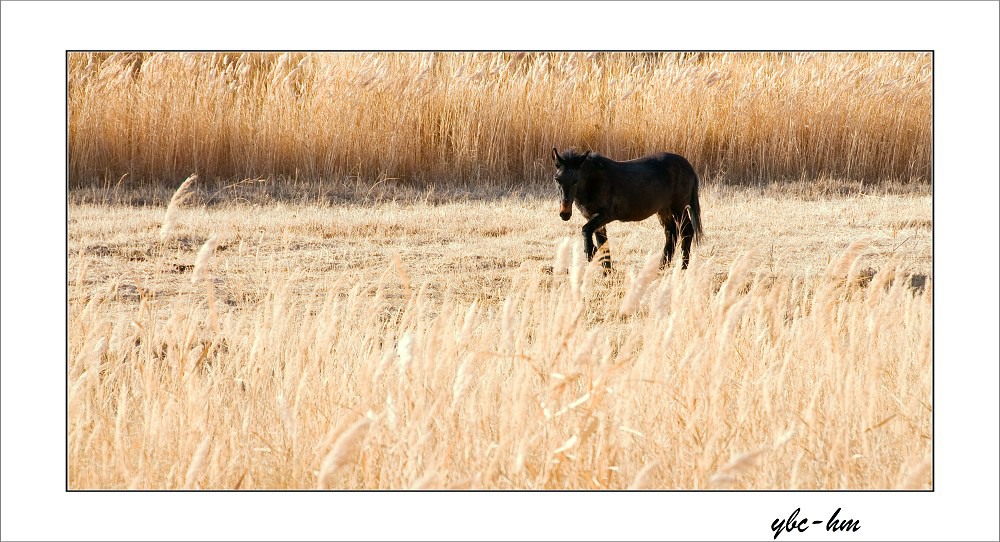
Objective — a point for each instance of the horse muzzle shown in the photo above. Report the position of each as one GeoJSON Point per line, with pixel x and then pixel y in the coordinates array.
{"type": "Point", "coordinates": [565, 210]}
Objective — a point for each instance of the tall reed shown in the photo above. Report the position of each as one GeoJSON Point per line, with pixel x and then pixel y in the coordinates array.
{"type": "Point", "coordinates": [760, 382]}
{"type": "Point", "coordinates": [492, 118]}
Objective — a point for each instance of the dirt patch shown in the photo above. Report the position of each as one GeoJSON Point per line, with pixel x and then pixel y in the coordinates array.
{"type": "Point", "coordinates": [914, 224]}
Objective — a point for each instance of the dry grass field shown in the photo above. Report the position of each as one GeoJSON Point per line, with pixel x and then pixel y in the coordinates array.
{"type": "Point", "coordinates": [368, 286]}
{"type": "Point", "coordinates": [464, 344]}
{"type": "Point", "coordinates": [475, 118]}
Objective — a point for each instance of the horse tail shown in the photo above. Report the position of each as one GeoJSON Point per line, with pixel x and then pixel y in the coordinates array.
{"type": "Point", "coordinates": [694, 209]}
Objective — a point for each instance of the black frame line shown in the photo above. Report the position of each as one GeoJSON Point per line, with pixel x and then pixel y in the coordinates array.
{"type": "Point", "coordinates": [693, 490]}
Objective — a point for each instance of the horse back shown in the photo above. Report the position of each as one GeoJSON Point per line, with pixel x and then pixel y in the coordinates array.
{"type": "Point", "coordinates": [644, 186]}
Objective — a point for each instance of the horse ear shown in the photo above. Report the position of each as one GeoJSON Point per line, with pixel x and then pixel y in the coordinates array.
{"type": "Point", "coordinates": [586, 154]}
{"type": "Point", "coordinates": [555, 155]}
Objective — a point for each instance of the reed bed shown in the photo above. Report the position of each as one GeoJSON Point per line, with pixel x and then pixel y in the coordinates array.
{"type": "Point", "coordinates": [490, 119]}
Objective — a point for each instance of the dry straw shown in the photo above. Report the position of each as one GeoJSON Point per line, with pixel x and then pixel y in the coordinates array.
{"type": "Point", "coordinates": [726, 476]}
{"type": "Point", "coordinates": [427, 481]}
{"type": "Point", "coordinates": [342, 453]}
{"type": "Point", "coordinates": [642, 477]}
{"type": "Point", "coordinates": [182, 194]}
{"type": "Point", "coordinates": [197, 463]}
{"type": "Point", "coordinates": [204, 255]}
{"type": "Point", "coordinates": [640, 283]}
{"type": "Point", "coordinates": [491, 118]}
{"type": "Point", "coordinates": [529, 387]}
{"type": "Point", "coordinates": [561, 264]}
{"type": "Point", "coordinates": [918, 474]}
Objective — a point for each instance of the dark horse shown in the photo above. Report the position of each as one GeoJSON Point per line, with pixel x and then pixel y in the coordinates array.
{"type": "Point", "coordinates": [605, 190]}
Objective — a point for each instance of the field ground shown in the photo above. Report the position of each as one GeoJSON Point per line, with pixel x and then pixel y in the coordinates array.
{"type": "Point", "coordinates": [437, 343]}
{"type": "Point", "coordinates": [471, 247]}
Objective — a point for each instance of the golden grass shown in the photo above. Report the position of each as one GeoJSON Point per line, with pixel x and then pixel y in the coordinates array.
{"type": "Point", "coordinates": [362, 119]}
{"type": "Point", "coordinates": [182, 194]}
{"type": "Point", "coordinates": [404, 346]}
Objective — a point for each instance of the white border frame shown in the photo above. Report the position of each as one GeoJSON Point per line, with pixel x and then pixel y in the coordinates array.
{"type": "Point", "coordinates": [35, 37]}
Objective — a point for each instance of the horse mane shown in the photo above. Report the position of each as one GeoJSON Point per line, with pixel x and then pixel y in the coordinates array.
{"type": "Point", "coordinates": [574, 155]}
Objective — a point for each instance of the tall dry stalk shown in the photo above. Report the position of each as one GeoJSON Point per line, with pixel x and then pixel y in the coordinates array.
{"type": "Point", "coordinates": [204, 255]}
{"type": "Point", "coordinates": [757, 378]}
{"type": "Point", "coordinates": [197, 463]}
{"type": "Point", "coordinates": [492, 118]}
{"type": "Point", "coordinates": [181, 195]}
{"type": "Point", "coordinates": [343, 451]}
{"type": "Point", "coordinates": [639, 284]}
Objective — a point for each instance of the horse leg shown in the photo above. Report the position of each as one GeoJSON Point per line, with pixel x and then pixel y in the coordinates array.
{"type": "Point", "coordinates": [687, 235]}
{"type": "Point", "coordinates": [670, 231]}
{"type": "Point", "coordinates": [601, 235]}
{"type": "Point", "coordinates": [595, 223]}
